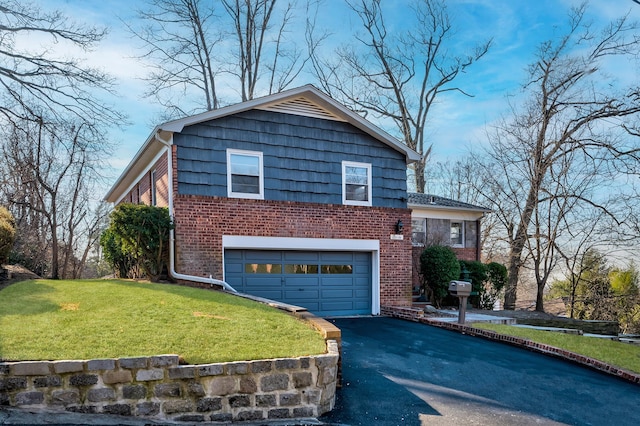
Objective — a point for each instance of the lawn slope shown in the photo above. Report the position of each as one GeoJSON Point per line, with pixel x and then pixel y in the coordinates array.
{"type": "Point", "coordinates": [89, 319]}
{"type": "Point", "coordinates": [621, 355]}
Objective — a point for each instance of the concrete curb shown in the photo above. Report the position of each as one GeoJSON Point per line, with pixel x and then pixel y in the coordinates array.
{"type": "Point", "coordinates": [591, 363]}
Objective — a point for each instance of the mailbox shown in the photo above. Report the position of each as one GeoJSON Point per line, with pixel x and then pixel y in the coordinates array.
{"type": "Point", "coordinates": [460, 288]}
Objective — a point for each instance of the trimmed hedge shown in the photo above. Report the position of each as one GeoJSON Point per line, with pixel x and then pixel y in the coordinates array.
{"type": "Point", "coordinates": [439, 266]}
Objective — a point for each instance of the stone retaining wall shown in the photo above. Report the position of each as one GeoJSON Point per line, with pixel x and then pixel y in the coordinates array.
{"type": "Point", "coordinates": [159, 387]}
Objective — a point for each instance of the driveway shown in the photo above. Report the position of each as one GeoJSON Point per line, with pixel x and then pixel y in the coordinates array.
{"type": "Point", "coordinates": [403, 373]}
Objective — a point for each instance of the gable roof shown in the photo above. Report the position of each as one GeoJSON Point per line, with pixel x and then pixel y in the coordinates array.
{"type": "Point", "coordinates": [437, 202]}
{"type": "Point", "coordinates": [305, 100]}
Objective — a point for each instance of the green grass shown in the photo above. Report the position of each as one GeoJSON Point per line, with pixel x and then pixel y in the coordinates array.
{"type": "Point", "coordinates": [89, 319]}
{"type": "Point", "coordinates": [621, 355]}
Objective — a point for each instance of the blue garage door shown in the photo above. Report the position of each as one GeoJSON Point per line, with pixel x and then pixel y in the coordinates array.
{"type": "Point", "coordinates": [326, 283]}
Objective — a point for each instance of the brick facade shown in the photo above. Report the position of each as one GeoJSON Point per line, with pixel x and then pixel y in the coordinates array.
{"type": "Point", "coordinates": [141, 192]}
{"type": "Point", "coordinates": [201, 221]}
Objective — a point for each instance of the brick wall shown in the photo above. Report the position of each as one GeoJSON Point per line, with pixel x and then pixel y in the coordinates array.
{"type": "Point", "coordinates": [143, 186]}
{"type": "Point", "coordinates": [201, 221]}
{"type": "Point", "coordinates": [466, 253]}
{"type": "Point", "coordinates": [158, 387]}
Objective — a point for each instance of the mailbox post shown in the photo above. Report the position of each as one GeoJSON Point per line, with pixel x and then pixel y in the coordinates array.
{"type": "Point", "coordinates": [461, 289]}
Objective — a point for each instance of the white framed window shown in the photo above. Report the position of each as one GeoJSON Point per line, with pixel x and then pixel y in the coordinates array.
{"type": "Point", "coordinates": [356, 183]}
{"type": "Point", "coordinates": [245, 177]}
{"type": "Point", "coordinates": [418, 232]}
{"type": "Point", "coordinates": [457, 234]}
{"type": "Point", "coordinates": [154, 195]}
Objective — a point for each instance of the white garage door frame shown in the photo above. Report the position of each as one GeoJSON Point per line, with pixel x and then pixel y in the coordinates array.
{"type": "Point", "coordinates": [313, 244]}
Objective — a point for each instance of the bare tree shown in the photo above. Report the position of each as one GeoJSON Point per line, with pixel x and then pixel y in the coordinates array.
{"type": "Point", "coordinates": [260, 46]}
{"type": "Point", "coordinates": [53, 116]}
{"type": "Point", "coordinates": [34, 82]}
{"type": "Point", "coordinates": [195, 47]}
{"type": "Point", "coordinates": [179, 38]}
{"type": "Point", "coordinates": [563, 149]}
{"type": "Point", "coordinates": [51, 171]}
{"type": "Point", "coordinates": [398, 75]}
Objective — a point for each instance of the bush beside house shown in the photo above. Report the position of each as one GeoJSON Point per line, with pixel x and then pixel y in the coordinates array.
{"type": "Point", "coordinates": [137, 240]}
{"type": "Point", "coordinates": [439, 266]}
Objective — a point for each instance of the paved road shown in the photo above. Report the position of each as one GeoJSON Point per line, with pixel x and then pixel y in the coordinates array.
{"type": "Point", "coordinates": [402, 373]}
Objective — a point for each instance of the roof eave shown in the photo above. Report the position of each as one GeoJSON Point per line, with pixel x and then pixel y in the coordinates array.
{"type": "Point", "coordinates": [440, 207]}
{"type": "Point", "coordinates": [148, 149]}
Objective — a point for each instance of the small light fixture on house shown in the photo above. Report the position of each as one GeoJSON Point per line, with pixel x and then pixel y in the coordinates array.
{"type": "Point", "coordinates": [399, 226]}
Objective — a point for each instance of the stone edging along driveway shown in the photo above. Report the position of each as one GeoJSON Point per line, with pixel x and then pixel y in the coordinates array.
{"type": "Point", "coordinates": [415, 315]}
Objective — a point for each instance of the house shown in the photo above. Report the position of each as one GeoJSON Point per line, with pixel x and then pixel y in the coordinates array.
{"type": "Point", "coordinates": [439, 220]}
{"type": "Point", "coordinates": [291, 197]}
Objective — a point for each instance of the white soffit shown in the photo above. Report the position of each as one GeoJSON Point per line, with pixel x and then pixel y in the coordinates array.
{"type": "Point", "coordinates": [301, 106]}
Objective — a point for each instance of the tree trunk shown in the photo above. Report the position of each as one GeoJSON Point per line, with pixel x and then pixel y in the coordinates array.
{"type": "Point", "coordinates": [540, 298]}
{"type": "Point", "coordinates": [55, 274]}
{"type": "Point", "coordinates": [419, 167]}
{"type": "Point", "coordinates": [512, 281]}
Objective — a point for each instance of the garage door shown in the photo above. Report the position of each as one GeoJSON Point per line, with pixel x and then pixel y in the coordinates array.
{"type": "Point", "coordinates": [326, 283]}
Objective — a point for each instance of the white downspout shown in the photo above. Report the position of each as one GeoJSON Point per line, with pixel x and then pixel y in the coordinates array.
{"type": "Point", "coordinates": [172, 269]}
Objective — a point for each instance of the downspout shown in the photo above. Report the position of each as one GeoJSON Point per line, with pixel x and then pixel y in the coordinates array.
{"type": "Point", "coordinates": [172, 270]}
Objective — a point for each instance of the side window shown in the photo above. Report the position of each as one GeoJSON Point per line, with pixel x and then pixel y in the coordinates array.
{"type": "Point", "coordinates": [154, 198]}
{"type": "Point", "coordinates": [457, 234]}
{"type": "Point", "coordinates": [418, 232]}
{"type": "Point", "coordinates": [245, 177]}
{"type": "Point", "coordinates": [356, 183]}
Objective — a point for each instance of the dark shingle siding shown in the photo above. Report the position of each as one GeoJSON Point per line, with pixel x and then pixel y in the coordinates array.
{"type": "Point", "coordinates": [434, 200]}
{"type": "Point", "coordinates": [302, 157]}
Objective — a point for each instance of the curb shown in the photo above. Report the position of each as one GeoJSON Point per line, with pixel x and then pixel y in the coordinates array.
{"type": "Point", "coordinates": [540, 348]}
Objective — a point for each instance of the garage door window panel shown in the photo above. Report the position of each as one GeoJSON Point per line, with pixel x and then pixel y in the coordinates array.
{"type": "Point", "coordinates": [336, 269]}
{"type": "Point", "coordinates": [300, 269]}
{"type": "Point", "coordinates": [263, 268]}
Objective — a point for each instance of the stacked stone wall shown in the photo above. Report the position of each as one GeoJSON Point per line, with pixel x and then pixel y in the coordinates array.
{"type": "Point", "coordinates": [159, 387]}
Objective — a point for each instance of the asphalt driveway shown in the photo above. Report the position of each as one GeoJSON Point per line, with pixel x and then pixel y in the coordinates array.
{"type": "Point", "coordinates": [402, 373]}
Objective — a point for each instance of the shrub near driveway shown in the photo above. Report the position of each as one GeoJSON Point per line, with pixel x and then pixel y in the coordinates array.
{"type": "Point", "coordinates": [89, 319]}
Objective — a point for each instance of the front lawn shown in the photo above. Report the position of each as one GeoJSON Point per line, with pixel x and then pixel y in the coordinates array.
{"type": "Point", "coordinates": [90, 319]}
{"type": "Point", "coordinates": [621, 355]}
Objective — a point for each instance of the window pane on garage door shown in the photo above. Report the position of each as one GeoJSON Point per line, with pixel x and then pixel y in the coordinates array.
{"type": "Point", "coordinates": [326, 283]}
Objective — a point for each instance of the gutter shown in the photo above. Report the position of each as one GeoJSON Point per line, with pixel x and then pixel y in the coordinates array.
{"type": "Point", "coordinates": [172, 270]}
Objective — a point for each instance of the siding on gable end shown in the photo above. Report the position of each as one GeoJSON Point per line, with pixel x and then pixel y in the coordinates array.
{"type": "Point", "coordinates": [302, 158]}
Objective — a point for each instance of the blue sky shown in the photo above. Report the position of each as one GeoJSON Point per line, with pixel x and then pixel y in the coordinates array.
{"type": "Point", "coordinates": [516, 26]}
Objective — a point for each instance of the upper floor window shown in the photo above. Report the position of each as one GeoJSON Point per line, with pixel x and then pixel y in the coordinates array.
{"type": "Point", "coordinates": [245, 178]}
{"type": "Point", "coordinates": [356, 183]}
{"type": "Point", "coordinates": [457, 234]}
